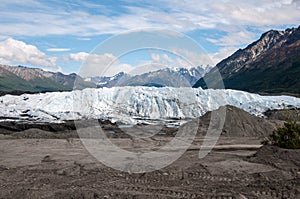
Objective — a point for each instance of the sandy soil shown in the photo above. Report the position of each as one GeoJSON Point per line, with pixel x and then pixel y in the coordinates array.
{"type": "Point", "coordinates": [62, 168]}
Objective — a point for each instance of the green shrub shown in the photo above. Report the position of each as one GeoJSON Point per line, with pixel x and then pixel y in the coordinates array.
{"type": "Point", "coordinates": [287, 136]}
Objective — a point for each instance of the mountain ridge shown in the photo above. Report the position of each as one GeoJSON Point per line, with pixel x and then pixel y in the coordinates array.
{"type": "Point", "coordinates": [14, 79]}
{"type": "Point", "coordinates": [174, 77]}
{"type": "Point", "coordinates": [271, 65]}
{"type": "Point", "coordinates": [20, 79]}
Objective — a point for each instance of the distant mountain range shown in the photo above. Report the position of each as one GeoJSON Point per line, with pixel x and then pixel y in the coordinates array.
{"type": "Point", "coordinates": [269, 65]}
{"type": "Point", "coordinates": [25, 79]}
{"type": "Point", "coordinates": [173, 77]}
{"type": "Point", "coordinates": [20, 79]}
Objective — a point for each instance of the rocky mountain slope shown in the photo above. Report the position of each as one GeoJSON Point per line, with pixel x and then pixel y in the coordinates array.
{"type": "Point", "coordinates": [173, 77]}
{"type": "Point", "coordinates": [108, 81]}
{"type": "Point", "coordinates": [37, 80]}
{"type": "Point", "coordinates": [270, 64]}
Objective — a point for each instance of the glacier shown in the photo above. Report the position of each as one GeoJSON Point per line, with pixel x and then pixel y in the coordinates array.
{"type": "Point", "coordinates": [130, 105]}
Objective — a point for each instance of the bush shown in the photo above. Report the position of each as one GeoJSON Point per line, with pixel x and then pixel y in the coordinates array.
{"type": "Point", "coordinates": [287, 136]}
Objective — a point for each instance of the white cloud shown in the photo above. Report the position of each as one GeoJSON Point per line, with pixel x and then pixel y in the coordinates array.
{"type": "Point", "coordinates": [15, 51]}
{"type": "Point", "coordinates": [4, 61]}
{"type": "Point", "coordinates": [181, 16]}
{"type": "Point", "coordinates": [234, 39]}
{"type": "Point", "coordinates": [84, 39]}
{"type": "Point", "coordinates": [155, 57]}
{"type": "Point", "coordinates": [99, 65]}
{"type": "Point", "coordinates": [174, 57]}
{"type": "Point", "coordinates": [58, 49]}
{"type": "Point", "coordinates": [163, 60]}
{"type": "Point", "coordinates": [230, 43]}
{"type": "Point", "coordinates": [222, 54]}
{"type": "Point", "coordinates": [182, 58]}
{"type": "Point", "coordinates": [79, 57]}
{"type": "Point", "coordinates": [199, 58]}
{"type": "Point", "coordinates": [258, 12]}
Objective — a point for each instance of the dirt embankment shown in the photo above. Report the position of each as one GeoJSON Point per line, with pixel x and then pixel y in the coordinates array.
{"type": "Point", "coordinates": [238, 123]}
{"type": "Point", "coordinates": [284, 114]}
{"type": "Point", "coordinates": [284, 159]}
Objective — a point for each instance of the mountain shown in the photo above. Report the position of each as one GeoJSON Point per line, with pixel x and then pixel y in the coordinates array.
{"type": "Point", "coordinates": [106, 81]}
{"type": "Point", "coordinates": [9, 81]}
{"type": "Point", "coordinates": [269, 65]}
{"type": "Point", "coordinates": [173, 77]}
{"type": "Point", "coordinates": [19, 78]}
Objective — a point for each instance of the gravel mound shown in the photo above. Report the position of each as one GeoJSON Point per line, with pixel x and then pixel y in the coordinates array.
{"type": "Point", "coordinates": [239, 123]}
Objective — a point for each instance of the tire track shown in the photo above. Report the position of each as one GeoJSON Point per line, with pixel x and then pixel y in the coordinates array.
{"type": "Point", "coordinates": [274, 194]}
{"type": "Point", "coordinates": [205, 176]}
{"type": "Point", "coordinates": [172, 193]}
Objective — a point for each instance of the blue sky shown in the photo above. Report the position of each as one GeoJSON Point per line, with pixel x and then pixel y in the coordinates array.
{"type": "Point", "coordinates": [60, 35]}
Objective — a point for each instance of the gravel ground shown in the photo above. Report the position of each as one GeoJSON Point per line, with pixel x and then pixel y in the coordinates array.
{"type": "Point", "coordinates": [62, 168]}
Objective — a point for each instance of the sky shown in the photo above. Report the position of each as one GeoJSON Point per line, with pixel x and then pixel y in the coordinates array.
{"type": "Point", "coordinates": [63, 35]}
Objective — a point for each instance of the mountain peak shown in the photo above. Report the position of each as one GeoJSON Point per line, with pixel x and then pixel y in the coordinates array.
{"type": "Point", "coordinates": [275, 55]}
{"type": "Point", "coordinates": [268, 40]}
{"type": "Point", "coordinates": [174, 77]}
{"type": "Point", "coordinates": [23, 79]}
